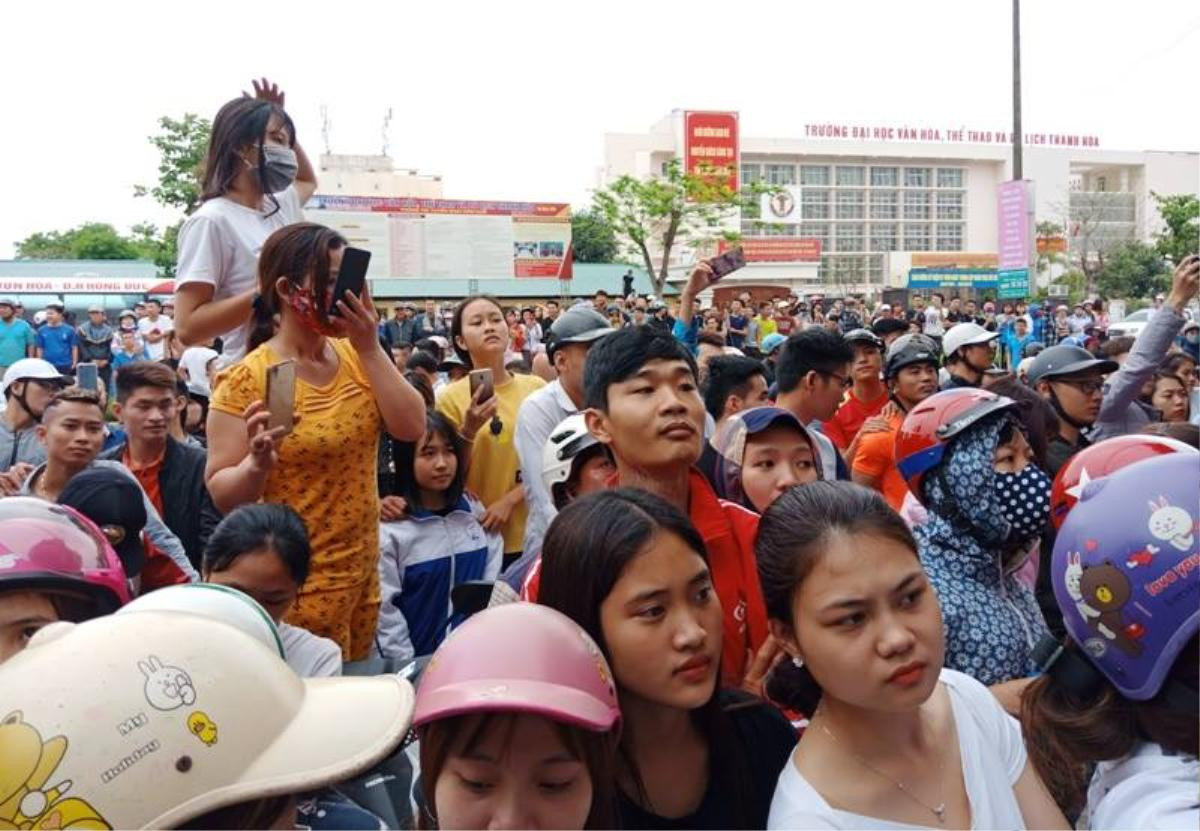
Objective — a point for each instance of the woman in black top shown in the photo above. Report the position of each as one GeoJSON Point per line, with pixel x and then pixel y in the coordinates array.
{"type": "Point", "coordinates": [632, 571]}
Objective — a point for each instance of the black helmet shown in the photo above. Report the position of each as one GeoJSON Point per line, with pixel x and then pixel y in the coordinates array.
{"type": "Point", "coordinates": [907, 350]}
{"type": "Point", "coordinates": [578, 324]}
{"type": "Point", "coordinates": [1063, 359]}
{"type": "Point", "coordinates": [1032, 349]}
{"type": "Point", "coordinates": [863, 336]}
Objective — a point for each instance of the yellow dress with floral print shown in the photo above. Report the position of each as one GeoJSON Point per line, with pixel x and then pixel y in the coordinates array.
{"type": "Point", "coordinates": [327, 473]}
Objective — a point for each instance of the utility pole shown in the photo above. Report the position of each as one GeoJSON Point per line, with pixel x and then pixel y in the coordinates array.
{"type": "Point", "coordinates": [1018, 171]}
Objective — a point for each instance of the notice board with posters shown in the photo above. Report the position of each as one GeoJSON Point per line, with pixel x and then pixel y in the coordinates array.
{"type": "Point", "coordinates": [412, 238]}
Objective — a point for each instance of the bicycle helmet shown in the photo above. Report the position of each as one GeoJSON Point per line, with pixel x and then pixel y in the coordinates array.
{"type": "Point", "coordinates": [931, 426]}
{"type": "Point", "coordinates": [520, 657]}
{"type": "Point", "coordinates": [1103, 459]}
{"type": "Point", "coordinates": [52, 548]}
{"type": "Point", "coordinates": [1124, 571]}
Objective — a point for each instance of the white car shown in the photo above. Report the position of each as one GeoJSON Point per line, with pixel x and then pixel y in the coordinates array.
{"type": "Point", "coordinates": [1131, 325]}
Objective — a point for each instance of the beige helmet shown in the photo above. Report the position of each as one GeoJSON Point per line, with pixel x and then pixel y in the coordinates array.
{"type": "Point", "coordinates": [156, 718]}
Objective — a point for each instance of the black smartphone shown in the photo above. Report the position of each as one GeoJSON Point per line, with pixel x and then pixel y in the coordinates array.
{"type": "Point", "coordinates": [352, 276]}
{"type": "Point", "coordinates": [727, 263]}
{"type": "Point", "coordinates": [87, 376]}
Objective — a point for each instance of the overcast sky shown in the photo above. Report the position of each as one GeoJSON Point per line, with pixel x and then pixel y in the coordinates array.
{"type": "Point", "coordinates": [511, 100]}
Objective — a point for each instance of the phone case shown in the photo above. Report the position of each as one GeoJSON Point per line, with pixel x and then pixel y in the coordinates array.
{"type": "Point", "coordinates": [281, 395]}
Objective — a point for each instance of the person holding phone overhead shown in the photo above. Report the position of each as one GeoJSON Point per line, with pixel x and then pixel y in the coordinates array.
{"type": "Point", "coordinates": [256, 179]}
{"type": "Point", "coordinates": [485, 415]}
{"type": "Point", "coordinates": [706, 273]}
{"type": "Point", "coordinates": [324, 466]}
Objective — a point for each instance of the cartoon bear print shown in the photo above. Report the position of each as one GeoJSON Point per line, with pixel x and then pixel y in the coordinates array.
{"type": "Point", "coordinates": [1105, 588]}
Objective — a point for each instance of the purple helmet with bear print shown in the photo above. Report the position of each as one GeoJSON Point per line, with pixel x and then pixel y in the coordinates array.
{"type": "Point", "coordinates": [1126, 571]}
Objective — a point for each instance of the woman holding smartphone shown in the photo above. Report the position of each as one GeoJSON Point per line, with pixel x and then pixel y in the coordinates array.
{"type": "Point", "coordinates": [324, 465]}
{"type": "Point", "coordinates": [256, 180]}
{"type": "Point", "coordinates": [483, 408]}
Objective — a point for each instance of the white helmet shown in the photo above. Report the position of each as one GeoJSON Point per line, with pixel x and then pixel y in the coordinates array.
{"type": "Point", "coordinates": [217, 602]}
{"type": "Point", "coordinates": [30, 369]}
{"type": "Point", "coordinates": [965, 334]}
{"type": "Point", "coordinates": [152, 719]}
{"type": "Point", "coordinates": [567, 440]}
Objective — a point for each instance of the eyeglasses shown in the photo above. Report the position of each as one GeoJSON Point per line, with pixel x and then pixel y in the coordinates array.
{"type": "Point", "coordinates": [846, 383]}
{"type": "Point", "coordinates": [1088, 386]}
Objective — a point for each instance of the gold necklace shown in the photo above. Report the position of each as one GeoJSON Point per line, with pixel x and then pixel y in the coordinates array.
{"type": "Point", "coordinates": [939, 811]}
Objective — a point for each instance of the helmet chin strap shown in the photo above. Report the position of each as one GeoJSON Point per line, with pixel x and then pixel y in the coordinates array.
{"type": "Point", "coordinates": [1062, 413]}
{"type": "Point", "coordinates": [19, 397]}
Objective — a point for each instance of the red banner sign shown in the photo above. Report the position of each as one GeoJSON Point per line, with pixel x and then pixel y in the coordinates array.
{"type": "Point", "coordinates": [710, 145]}
{"type": "Point", "coordinates": [776, 249]}
{"type": "Point", "coordinates": [412, 205]}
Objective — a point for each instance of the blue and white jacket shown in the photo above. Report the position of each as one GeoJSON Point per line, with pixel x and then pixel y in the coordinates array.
{"type": "Point", "coordinates": [421, 559]}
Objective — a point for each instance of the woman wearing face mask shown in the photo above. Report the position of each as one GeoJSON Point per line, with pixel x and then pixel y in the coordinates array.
{"type": "Point", "coordinates": [965, 456]}
{"type": "Point", "coordinates": [256, 180]}
{"type": "Point", "coordinates": [518, 722]}
{"type": "Point", "coordinates": [324, 468]}
{"type": "Point", "coordinates": [761, 454]}
{"type": "Point", "coordinates": [632, 571]}
{"type": "Point", "coordinates": [895, 740]}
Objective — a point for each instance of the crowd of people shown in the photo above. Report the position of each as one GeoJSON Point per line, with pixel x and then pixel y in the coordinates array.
{"type": "Point", "coordinates": [773, 563]}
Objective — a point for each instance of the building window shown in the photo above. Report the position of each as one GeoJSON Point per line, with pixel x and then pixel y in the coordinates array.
{"type": "Point", "coordinates": [851, 204]}
{"type": "Point", "coordinates": [778, 230]}
{"type": "Point", "coordinates": [950, 177]}
{"type": "Point", "coordinates": [885, 236]}
{"type": "Point", "coordinates": [854, 177]}
{"type": "Point", "coordinates": [814, 204]}
{"type": "Point", "coordinates": [885, 204]}
{"type": "Point", "coordinates": [875, 269]}
{"type": "Point", "coordinates": [751, 174]}
{"type": "Point", "coordinates": [916, 237]}
{"type": "Point", "coordinates": [950, 206]}
{"type": "Point", "coordinates": [814, 174]}
{"type": "Point", "coordinates": [1101, 184]}
{"type": "Point", "coordinates": [781, 174]}
{"type": "Point", "coordinates": [916, 177]}
{"type": "Point", "coordinates": [949, 237]}
{"type": "Point", "coordinates": [849, 237]}
{"type": "Point", "coordinates": [816, 230]}
{"type": "Point", "coordinates": [885, 177]}
{"type": "Point", "coordinates": [916, 204]}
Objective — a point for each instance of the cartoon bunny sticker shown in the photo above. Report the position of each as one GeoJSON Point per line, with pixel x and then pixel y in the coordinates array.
{"type": "Point", "coordinates": [1171, 523]}
{"type": "Point", "coordinates": [1074, 574]}
{"type": "Point", "coordinates": [167, 687]}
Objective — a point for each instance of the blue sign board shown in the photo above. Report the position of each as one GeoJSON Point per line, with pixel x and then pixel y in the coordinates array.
{"type": "Point", "coordinates": [1012, 284]}
{"type": "Point", "coordinates": [982, 279]}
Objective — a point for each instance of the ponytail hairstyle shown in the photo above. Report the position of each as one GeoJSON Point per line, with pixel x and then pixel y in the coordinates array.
{"type": "Point", "coordinates": [792, 537]}
{"type": "Point", "coordinates": [239, 124]}
{"type": "Point", "coordinates": [586, 550]}
{"type": "Point", "coordinates": [1069, 727]}
{"type": "Point", "coordinates": [293, 252]}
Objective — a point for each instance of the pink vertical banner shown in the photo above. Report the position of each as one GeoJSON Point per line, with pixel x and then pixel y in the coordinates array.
{"type": "Point", "coordinates": [1013, 212]}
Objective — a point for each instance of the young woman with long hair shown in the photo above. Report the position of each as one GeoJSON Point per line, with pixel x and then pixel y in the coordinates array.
{"type": "Point", "coordinates": [256, 179]}
{"type": "Point", "coordinates": [631, 569]}
{"type": "Point", "coordinates": [347, 389]}
{"type": "Point", "coordinates": [894, 739]}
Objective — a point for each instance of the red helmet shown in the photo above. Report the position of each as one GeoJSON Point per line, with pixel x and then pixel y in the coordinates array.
{"type": "Point", "coordinates": [52, 548]}
{"type": "Point", "coordinates": [1103, 459]}
{"type": "Point", "coordinates": [931, 425]}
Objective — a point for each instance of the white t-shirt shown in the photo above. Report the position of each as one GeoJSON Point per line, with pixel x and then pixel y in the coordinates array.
{"type": "Point", "coordinates": [1145, 790]}
{"type": "Point", "coordinates": [309, 655]}
{"type": "Point", "coordinates": [163, 325]}
{"type": "Point", "coordinates": [933, 321]}
{"type": "Point", "coordinates": [993, 758]}
{"type": "Point", "coordinates": [219, 245]}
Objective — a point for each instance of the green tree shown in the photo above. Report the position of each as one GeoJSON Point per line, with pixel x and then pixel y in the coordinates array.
{"type": "Point", "coordinates": [1133, 270]}
{"type": "Point", "coordinates": [1181, 236]}
{"type": "Point", "coordinates": [652, 216]}
{"type": "Point", "coordinates": [592, 238]}
{"type": "Point", "coordinates": [181, 147]}
{"type": "Point", "coordinates": [90, 241]}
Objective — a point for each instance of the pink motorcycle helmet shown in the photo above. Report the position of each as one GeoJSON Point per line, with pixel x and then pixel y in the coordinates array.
{"type": "Point", "coordinates": [54, 549]}
{"type": "Point", "coordinates": [519, 658]}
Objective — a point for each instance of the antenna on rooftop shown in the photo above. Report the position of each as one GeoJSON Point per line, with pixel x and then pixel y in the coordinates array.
{"type": "Point", "coordinates": [325, 126]}
{"type": "Point", "coordinates": [387, 120]}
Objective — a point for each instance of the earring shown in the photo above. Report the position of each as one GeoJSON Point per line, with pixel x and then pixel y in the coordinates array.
{"type": "Point", "coordinates": [797, 662]}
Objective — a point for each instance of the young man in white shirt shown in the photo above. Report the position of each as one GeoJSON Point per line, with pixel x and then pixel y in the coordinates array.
{"type": "Point", "coordinates": [154, 328]}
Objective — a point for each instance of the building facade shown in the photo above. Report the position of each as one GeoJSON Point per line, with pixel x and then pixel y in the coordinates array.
{"type": "Point", "coordinates": [882, 199]}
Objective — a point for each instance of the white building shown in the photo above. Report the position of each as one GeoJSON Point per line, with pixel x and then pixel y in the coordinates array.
{"type": "Point", "coordinates": [878, 198]}
{"type": "Point", "coordinates": [348, 175]}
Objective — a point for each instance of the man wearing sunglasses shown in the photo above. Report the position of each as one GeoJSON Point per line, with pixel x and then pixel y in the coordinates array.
{"type": "Point", "coordinates": [812, 377]}
{"type": "Point", "coordinates": [28, 385]}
